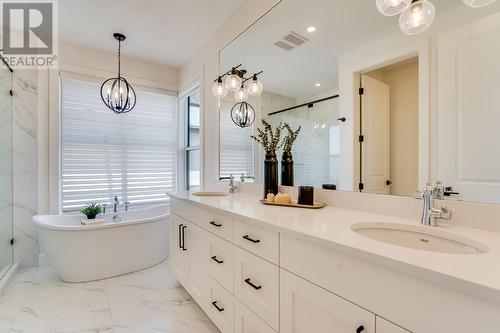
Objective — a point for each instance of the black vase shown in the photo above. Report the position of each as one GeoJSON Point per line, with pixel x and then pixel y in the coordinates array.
{"type": "Point", "coordinates": [270, 174]}
{"type": "Point", "coordinates": [287, 169]}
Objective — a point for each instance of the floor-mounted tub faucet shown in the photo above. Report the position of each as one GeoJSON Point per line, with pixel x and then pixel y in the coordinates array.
{"type": "Point", "coordinates": [115, 204]}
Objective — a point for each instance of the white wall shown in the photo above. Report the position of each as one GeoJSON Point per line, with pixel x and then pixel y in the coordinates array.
{"type": "Point", "coordinates": [204, 66]}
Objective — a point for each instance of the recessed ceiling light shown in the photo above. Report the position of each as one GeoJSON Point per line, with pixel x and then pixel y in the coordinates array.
{"type": "Point", "coordinates": [311, 29]}
{"type": "Point", "coordinates": [317, 84]}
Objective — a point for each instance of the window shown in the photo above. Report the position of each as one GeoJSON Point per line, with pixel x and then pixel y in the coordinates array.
{"type": "Point", "coordinates": [236, 147]}
{"type": "Point", "coordinates": [103, 154]}
{"type": "Point", "coordinates": [193, 163]}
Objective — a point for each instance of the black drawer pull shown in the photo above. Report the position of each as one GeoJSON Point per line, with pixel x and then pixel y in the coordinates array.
{"type": "Point", "coordinates": [218, 225]}
{"type": "Point", "coordinates": [215, 304]}
{"type": "Point", "coordinates": [184, 238]}
{"type": "Point", "coordinates": [180, 236]}
{"type": "Point", "coordinates": [214, 258]}
{"type": "Point", "coordinates": [360, 329]}
{"type": "Point", "coordinates": [253, 285]}
{"type": "Point", "coordinates": [255, 241]}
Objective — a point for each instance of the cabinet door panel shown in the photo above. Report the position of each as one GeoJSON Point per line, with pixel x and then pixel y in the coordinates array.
{"type": "Point", "coordinates": [197, 248]}
{"type": "Point", "coordinates": [245, 321]}
{"type": "Point", "coordinates": [220, 257]}
{"type": "Point", "coordinates": [220, 306]}
{"type": "Point", "coordinates": [384, 326]}
{"type": "Point", "coordinates": [307, 308]}
{"type": "Point", "coordinates": [178, 259]}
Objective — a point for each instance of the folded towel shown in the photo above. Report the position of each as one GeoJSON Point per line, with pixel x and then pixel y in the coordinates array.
{"type": "Point", "coordinates": [92, 221]}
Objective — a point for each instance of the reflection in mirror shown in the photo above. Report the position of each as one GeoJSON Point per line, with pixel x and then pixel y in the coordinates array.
{"type": "Point", "coordinates": [416, 109]}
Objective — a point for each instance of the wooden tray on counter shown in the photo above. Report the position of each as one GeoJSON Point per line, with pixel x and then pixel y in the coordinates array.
{"type": "Point", "coordinates": [316, 205]}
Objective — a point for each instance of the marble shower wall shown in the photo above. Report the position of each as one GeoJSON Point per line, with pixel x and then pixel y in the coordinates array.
{"type": "Point", "coordinates": [25, 166]}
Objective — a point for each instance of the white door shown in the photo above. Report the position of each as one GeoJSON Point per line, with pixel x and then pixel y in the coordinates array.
{"type": "Point", "coordinates": [178, 254]}
{"type": "Point", "coordinates": [307, 308]}
{"type": "Point", "coordinates": [468, 110]}
{"type": "Point", "coordinates": [375, 129]}
{"type": "Point", "coordinates": [196, 246]}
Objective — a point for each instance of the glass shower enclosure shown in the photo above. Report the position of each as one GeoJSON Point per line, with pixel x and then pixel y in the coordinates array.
{"type": "Point", "coordinates": [6, 154]}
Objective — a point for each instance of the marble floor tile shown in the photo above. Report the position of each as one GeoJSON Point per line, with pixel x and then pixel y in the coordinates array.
{"type": "Point", "coordinates": [149, 301]}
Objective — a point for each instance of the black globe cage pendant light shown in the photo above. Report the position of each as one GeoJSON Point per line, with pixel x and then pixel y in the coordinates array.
{"type": "Point", "coordinates": [117, 93]}
{"type": "Point", "coordinates": [243, 114]}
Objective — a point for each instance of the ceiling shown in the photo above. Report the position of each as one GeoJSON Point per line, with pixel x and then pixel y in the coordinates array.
{"type": "Point", "coordinates": [342, 25]}
{"type": "Point", "coordinates": [160, 31]}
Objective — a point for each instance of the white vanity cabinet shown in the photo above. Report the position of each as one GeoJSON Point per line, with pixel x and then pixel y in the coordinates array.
{"type": "Point", "coordinates": [178, 256]}
{"type": "Point", "coordinates": [384, 326]}
{"type": "Point", "coordinates": [307, 308]}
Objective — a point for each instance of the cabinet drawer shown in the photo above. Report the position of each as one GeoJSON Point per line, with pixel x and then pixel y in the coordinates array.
{"type": "Point", "coordinates": [260, 241]}
{"type": "Point", "coordinates": [245, 321]}
{"type": "Point", "coordinates": [211, 220]}
{"type": "Point", "coordinates": [220, 258]}
{"type": "Point", "coordinates": [220, 306]}
{"type": "Point", "coordinates": [384, 326]}
{"type": "Point", "coordinates": [256, 284]}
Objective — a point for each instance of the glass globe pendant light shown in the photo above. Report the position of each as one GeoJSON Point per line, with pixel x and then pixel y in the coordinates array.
{"type": "Point", "coordinates": [478, 3]}
{"type": "Point", "coordinates": [243, 114]}
{"type": "Point", "coordinates": [219, 89]}
{"type": "Point", "coordinates": [241, 95]}
{"type": "Point", "coordinates": [233, 81]}
{"type": "Point", "coordinates": [417, 17]}
{"type": "Point", "coordinates": [392, 7]}
{"type": "Point", "coordinates": [116, 93]}
{"type": "Point", "coordinates": [255, 87]}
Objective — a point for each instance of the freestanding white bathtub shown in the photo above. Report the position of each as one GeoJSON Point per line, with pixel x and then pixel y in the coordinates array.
{"type": "Point", "coordinates": [82, 253]}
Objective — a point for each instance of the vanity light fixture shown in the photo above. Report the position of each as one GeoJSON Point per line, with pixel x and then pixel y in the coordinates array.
{"type": "Point", "coordinates": [417, 17]}
{"type": "Point", "coordinates": [233, 81]}
{"type": "Point", "coordinates": [478, 3]}
{"type": "Point", "coordinates": [392, 7]}
{"type": "Point", "coordinates": [241, 95]}
{"type": "Point", "coordinates": [219, 89]}
{"type": "Point", "coordinates": [255, 87]}
{"type": "Point", "coordinates": [117, 93]}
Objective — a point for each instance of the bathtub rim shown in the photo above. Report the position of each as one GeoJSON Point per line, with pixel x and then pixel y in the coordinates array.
{"type": "Point", "coordinates": [40, 221]}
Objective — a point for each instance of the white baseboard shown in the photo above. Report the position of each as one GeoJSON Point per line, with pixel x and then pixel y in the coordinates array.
{"type": "Point", "coordinates": [4, 282]}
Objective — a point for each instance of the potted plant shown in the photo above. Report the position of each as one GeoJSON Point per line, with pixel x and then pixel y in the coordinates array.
{"type": "Point", "coordinates": [270, 139]}
{"type": "Point", "coordinates": [91, 210]}
{"type": "Point", "coordinates": [287, 158]}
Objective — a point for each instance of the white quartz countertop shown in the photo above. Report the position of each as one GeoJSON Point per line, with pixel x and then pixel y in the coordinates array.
{"type": "Point", "coordinates": [478, 274]}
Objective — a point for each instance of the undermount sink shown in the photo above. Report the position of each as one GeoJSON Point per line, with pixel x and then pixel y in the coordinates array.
{"type": "Point", "coordinates": [210, 194]}
{"type": "Point", "coordinates": [419, 238]}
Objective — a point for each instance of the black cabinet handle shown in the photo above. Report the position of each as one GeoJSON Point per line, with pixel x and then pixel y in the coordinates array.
{"type": "Point", "coordinates": [255, 241]}
{"type": "Point", "coordinates": [214, 258]}
{"type": "Point", "coordinates": [215, 224]}
{"type": "Point", "coordinates": [184, 238]}
{"type": "Point", "coordinates": [253, 285]}
{"type": "Point", "coordinates": [360, 329]}
{"type": "Point", "coordinates": [180, 236]}
{"type": "Point", "coordinates": [215, 304]}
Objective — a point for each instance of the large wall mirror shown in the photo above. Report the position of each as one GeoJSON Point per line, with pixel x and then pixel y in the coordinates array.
{"type": "Point", "coordinates": [380, 111]}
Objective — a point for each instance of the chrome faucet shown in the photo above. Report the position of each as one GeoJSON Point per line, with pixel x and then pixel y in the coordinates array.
{"type": "Point", "coordinates": [429, 213]}
{"type": "Point", "coordinates": [232, 185]}
{"type": "Point", "coordinates": [115, 204]}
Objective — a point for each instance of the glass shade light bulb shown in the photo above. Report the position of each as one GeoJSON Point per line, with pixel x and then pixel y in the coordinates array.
{"type": "Point", "coordinates": [417, 18]}
{"type": "Point", "coordinates": [219, 89]}
{"type": "Point", "coordinates": [255, 87]}
{"type": "Point", "coordinates": [241, 95]}
{"type": "Point", "coordinates": [478, 3]}
{"type": "Point", "coordinates": [392, 7]}
{"type": "Point", "coordinates": [233, 81]}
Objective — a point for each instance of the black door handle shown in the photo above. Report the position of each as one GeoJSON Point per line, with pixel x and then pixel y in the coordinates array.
{"type": "Point", "coordinates": [360, 329]}
{"type": "Point", "coordinates": [255, 241]}
{"type": "Point", "coordinates": [214, 258]}
{"type": "Point", "coordinates": [180, 236]}
{"type": "Point", "coordinates": [184, 238]}
{"type": "Point", "coordinates": [215, 224]}
{"type": "Point", "coordinates": [253, 285]}
{"type": "Point", "coordinates": [215, 304]}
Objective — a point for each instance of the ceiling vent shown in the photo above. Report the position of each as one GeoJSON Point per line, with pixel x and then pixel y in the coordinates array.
{"type": "Point", "coordinates": [290, 41]}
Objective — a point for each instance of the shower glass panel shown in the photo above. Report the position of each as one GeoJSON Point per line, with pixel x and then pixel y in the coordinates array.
{"type": "Point", "coordinates": [316, 151]}
{"type": "Point", "coordinates": [6, 252]}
